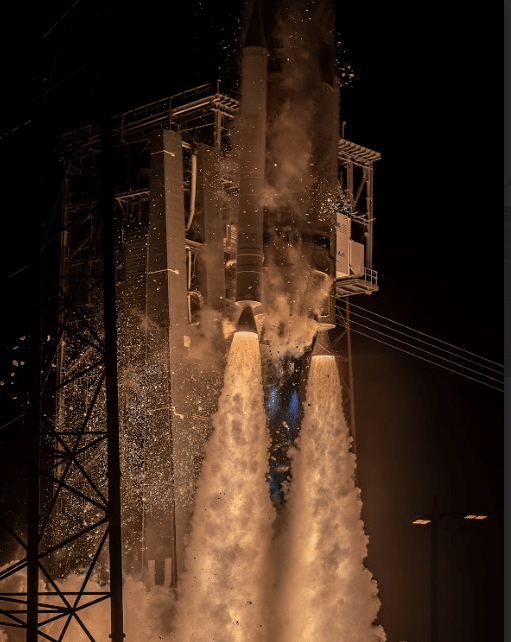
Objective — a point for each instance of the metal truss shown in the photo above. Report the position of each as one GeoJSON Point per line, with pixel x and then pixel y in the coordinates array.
{"type": "Point", "coordinates": [355, 183]}
{"type": "Point", "coordinates": [356, 196]}
{"type": "Point", "coordinates": [190, 111]}
{"type": "Point", "coordinates": [72, 531]}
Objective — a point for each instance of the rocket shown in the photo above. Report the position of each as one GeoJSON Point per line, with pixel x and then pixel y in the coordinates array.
{"type": "Point", "coordinates": [263, 90]}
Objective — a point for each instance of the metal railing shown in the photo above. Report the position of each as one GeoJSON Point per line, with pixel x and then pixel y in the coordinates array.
{"type": "Point", "coordinates": [165, 110]}
{"type": "Point", "coordinates": [371, 278]}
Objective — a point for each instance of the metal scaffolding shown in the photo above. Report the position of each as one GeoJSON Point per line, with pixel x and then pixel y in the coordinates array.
{"type": "Point", "coordinates": [71, 454]}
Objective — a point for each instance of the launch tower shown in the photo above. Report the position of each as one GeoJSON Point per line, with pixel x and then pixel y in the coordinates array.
{"type": "Point", "coordinates": [177, 200]}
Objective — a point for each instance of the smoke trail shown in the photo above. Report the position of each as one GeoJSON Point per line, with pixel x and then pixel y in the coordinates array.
{"type": "Point", "coordinates": [327, 595]}
{"type": "Point", "coordinates": [222, 595]}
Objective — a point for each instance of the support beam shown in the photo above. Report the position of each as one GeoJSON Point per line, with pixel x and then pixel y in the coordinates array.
{"type": "Point", "coordinates": [167, 326]}
{"type": "Point", "coordinates": [32, 437]}
{"type": "Point", "coordinates": [111, 384]}
{"type": "Point", "coordinates": [350, 381]}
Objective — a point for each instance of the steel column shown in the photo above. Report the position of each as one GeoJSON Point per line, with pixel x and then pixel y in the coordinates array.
{"type": "Point", "coordinates": [434, 571]}
{"type": "Point", "coordinates": [33, 431]}
{"type": "Point", "coordinates": [111, 384]}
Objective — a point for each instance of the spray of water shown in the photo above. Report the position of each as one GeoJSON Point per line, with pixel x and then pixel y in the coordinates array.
{"type": "Point", "coordinates": [325, 592]}
{"type": "Point", "coordinates": [223, 592]}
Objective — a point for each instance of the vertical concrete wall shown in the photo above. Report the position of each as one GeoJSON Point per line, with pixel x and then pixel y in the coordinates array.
{"type": "Point", "coordinates": [196, 374]}
{"type": "Point", "coordinates": [167, 325]}
{"type": "Point", "coordinates": [183, 370]}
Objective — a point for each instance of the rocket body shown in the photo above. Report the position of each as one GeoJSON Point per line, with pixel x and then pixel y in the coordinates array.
{"type": "Point", "coordinates": [252, 134]}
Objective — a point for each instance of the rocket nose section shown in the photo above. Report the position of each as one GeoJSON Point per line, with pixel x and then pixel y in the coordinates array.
{"type": "Point", "coordinates": [246, 322]}
{"type": "Point", "coordinates": [323, 346]}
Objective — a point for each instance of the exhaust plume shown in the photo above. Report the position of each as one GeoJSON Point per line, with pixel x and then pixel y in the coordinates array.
{"type": "Point", "coordinates": [325, 592]}
{"type": "Point", "coordinates": [223, 593]}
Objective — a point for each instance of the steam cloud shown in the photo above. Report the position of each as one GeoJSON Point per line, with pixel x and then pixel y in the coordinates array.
{"type": "Point", "coordinates": [223, 592]}
{"type": "Point", "coordinates": [325, 594]}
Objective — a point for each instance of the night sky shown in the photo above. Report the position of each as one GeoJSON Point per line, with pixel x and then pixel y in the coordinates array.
{"type": "Point", "coordinates": [418, 96]}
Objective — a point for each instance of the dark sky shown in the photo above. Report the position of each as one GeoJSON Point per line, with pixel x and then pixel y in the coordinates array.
{"type": "Point", "coordinates": [420, 97]}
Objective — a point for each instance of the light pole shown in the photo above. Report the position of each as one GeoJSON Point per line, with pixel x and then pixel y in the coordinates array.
{"type": "Point", "coordinates": [432, 520]}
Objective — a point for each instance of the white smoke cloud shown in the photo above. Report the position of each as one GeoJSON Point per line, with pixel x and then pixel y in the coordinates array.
{"type": "Point", "coordinates": [317, 588]}
{"type": "Point", "coordinates": [223, 593]}
{"type": "Point", "coordinates": [325, 594]}
{"type": "Point", "coordinates": [293, 295]}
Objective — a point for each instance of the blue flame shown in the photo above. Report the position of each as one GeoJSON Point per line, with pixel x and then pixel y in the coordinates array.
{"type": "Point", "coordinates": [294, 407]}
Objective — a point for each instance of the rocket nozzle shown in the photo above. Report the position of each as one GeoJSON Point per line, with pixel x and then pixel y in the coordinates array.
{"type": "Point", "coordinates": [322, 345]}
{"type": "Point", "coordinates": [246, 322]}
